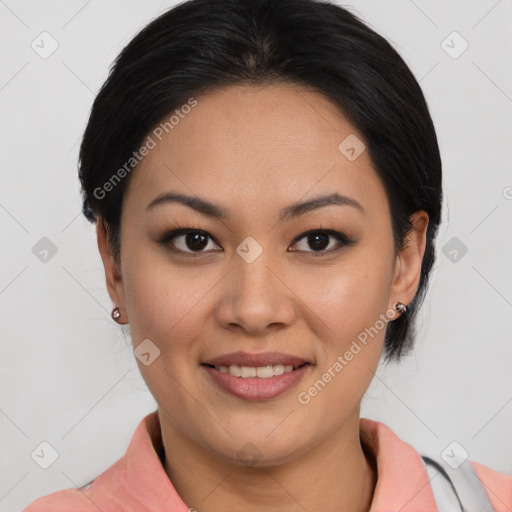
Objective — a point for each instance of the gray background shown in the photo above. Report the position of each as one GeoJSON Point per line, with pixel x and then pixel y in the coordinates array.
{"type": "Point", "coordinates": [66, 374]}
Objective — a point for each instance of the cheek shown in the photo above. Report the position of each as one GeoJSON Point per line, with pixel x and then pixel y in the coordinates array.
{"type": "Point", "coordinates": [348, 352]}
{"type": "Point", "coordinates": [351, 296]}
{"type": "Point", "coordinates": [349, 309]}
{"type": "Point", "coordinates": [164, 302]}
{"type": "Point", "coordinates": [164, 306]}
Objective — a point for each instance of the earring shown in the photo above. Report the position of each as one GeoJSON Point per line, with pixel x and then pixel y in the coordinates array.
{"type": "Point", "coordinates": [401, 308]}
{"type": "Point", "coordinates": [116, 314]}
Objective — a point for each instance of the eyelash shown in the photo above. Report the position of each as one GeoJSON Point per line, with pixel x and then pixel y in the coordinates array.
{"type": "Point", "coordinates": [170, 235]}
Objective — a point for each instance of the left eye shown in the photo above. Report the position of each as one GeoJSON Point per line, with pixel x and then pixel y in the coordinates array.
{"type": "Point", "coordinates": [319, 240]}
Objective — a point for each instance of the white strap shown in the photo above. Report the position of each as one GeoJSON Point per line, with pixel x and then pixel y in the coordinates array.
{"type": "Point", "coordinates": [444, 493]}
{"type": "Point", "coordinates": [457, 489]}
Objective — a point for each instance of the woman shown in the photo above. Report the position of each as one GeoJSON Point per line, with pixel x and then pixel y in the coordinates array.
{"type": "Point", "coordinates": [265, 181]}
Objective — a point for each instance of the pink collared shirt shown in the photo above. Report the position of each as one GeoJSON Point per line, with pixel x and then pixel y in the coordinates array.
{"type": "Point", "coordinates": [137, 482]}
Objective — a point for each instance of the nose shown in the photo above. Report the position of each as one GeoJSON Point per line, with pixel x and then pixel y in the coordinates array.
{"type": "Point", "coordinates": [256, 297]}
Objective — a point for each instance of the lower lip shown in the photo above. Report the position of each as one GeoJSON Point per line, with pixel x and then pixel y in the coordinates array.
{"type": "Point", "coordinates": [254, 388]}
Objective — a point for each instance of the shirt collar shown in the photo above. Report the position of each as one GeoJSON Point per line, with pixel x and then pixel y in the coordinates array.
{"type": "Point", "coordinates": [402, 482]}
{"type": "Point", "coordinates": [146, 478]}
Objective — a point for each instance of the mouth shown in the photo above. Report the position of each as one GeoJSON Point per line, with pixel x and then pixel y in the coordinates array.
{"type": "Point", "coordinates": [253, 376]}
{"type": "Point", "coordinates": [260, 372]}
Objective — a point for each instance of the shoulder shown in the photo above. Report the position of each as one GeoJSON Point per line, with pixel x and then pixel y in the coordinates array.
{"type": "Point", "coordinates": [108, 488]}
{"type": "Point", "coordinates": [62, 501]}
{"type": "Point", "coordinates": [92, 497]}
{"type": "Point", "coordinates": [137, 475]}
{"type": "Point", "coordinates": [402, 470]}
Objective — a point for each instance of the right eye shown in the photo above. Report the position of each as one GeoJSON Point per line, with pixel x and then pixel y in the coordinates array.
{"type": "Point", "coordinates": [186, 240]}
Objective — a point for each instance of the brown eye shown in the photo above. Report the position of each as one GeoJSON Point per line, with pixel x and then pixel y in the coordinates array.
{"type": "Point", "coordinates": [320, 240]}
{"type": "Point", "coordinates": [187, 240]}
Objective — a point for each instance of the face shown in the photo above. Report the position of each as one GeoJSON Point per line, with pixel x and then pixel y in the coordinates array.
{"type": "Point", "coordinates": [251, 278]}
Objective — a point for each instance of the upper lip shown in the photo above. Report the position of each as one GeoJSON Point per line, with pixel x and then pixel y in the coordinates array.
{"type": "Point", "coordinates": [255, 359]}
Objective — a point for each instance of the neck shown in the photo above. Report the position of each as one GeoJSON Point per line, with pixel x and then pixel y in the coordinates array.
{"type": "Point", "coordinates": [339, 474]}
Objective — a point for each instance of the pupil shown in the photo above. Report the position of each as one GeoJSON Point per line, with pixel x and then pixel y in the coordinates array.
{"type": "Point", "coordinates": [196, 241]}
{"type": "Point", "coordinates": [313, 240]}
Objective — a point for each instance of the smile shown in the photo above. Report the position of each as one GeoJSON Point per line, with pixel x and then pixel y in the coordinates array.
{"type": "Point", "coordinates": [256, 383]}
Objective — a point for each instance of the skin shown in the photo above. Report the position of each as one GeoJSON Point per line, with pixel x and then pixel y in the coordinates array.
{"type": "Point", "coordinates": [254, 150]}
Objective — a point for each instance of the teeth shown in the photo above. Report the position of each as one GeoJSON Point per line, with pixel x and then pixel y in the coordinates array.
{"type": "Point", "coordinates": [246, 371]}
{"type": "Point", "coordinates": [263, 372]}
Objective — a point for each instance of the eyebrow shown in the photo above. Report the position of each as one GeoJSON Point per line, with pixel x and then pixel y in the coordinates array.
{"type": "Point", "coordinates": [215, 211]}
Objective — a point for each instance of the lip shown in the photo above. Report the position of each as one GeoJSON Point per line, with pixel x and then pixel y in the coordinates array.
{"type": "Point", "coordinates": [254, 388]}
{"type": "Point", "coordinates": [256, 359]}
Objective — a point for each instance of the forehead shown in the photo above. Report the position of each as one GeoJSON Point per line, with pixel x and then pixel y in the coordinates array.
{"type": "Point", "coordinates": [253, 144]}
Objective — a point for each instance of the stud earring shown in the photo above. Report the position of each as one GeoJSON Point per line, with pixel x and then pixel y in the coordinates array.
{"type": "Point", "coordinates": [116, 314]}
{"type": "Point", "coordinates": [401, 308]}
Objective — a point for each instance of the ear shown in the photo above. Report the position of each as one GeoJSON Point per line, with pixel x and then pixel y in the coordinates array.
{"type": "Point", "coordinates": [408, 262]}
{"type": "Point", "coordinates": [112, 272]}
